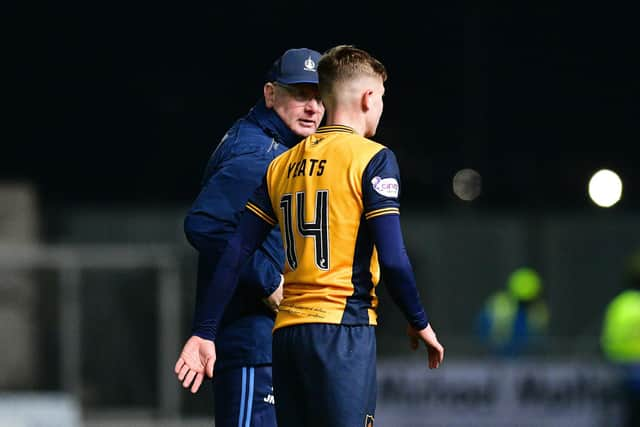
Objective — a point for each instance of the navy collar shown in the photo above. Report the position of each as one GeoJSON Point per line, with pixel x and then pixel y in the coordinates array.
{"type": "Point", "coordinates": [272, 124]}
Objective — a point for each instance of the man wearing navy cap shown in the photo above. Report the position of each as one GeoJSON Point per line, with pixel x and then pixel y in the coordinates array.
{"type": "Point", "coordinates": [290, 110]}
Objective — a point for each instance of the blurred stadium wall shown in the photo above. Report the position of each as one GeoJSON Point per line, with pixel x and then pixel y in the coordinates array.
{"type": "Point", "coordinates": [459, 259]}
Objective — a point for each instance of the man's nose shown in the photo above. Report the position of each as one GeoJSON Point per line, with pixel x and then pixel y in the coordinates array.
{"type": "Point", "coordinates": [314, 104]}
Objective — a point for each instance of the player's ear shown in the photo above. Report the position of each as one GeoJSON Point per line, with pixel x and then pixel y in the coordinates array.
{"type": "Point", "coordinates": [269, 91]}
{"type": "Point", "coordinates": [365, 100]}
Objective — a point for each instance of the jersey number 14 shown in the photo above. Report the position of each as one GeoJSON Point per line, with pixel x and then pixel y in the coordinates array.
{"type": "Point", "coordinates": [318, 228]}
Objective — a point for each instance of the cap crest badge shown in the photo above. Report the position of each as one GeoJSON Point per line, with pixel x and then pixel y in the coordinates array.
{"type": "Point", "coordinates": [309, 64]}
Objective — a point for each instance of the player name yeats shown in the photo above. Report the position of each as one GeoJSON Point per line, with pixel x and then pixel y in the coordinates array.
{"type": "Point", "coordinates": [306, 167]}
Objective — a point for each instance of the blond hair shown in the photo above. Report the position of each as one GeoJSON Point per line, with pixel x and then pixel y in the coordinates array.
{"type": "Point", "coordinates": [343, 63]}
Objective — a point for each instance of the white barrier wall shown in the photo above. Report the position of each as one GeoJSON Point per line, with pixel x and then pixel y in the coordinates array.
{"type": "Point", "coordinates": [39, 410]}
{"type": "Point", "coordinates": [486, 394]}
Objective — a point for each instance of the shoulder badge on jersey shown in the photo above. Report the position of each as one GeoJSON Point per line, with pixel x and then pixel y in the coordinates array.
{"type": "Point", "coordinates": [387, 187]}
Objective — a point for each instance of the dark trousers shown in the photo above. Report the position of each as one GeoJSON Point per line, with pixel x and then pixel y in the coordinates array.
{"type": "Point", "coordinates": [243, 397]}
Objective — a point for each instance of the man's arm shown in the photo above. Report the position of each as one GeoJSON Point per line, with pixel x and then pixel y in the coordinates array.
{"type": "Point", "coordinates": [198, 355]}
{"type": "Point", "coordinates": [396, 268]}
{"type": "Point", "coordinates": [250, 234]}
{"type": "Point", "coordinates": [400, 281]}
{"type": "Point", "coordinates": [381, 192]}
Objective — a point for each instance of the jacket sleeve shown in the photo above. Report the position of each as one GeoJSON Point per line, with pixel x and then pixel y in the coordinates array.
{"type": "Point", "coordinates": [214, 296]}
{"type": "Point", "coordinates": [216, 212]}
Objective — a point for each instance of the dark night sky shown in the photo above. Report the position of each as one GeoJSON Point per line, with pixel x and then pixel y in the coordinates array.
{"type": "Point", "coordinates": [124, 103]}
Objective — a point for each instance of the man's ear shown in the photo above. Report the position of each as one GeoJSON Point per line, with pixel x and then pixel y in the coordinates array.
{"type": "Point", "coordinates": [269, 92]}
{"type": "Point", "coordinates": [365, 100]}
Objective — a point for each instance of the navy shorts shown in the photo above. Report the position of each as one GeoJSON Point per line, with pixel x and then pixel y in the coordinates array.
{"type": "Point", "coordinates": [243, 397]}
{"type": "Point", "coordinates": [325, 375]}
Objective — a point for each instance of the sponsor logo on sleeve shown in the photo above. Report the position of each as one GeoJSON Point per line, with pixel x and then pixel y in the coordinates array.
{"type": "Point", "coordinates": [387, 187]}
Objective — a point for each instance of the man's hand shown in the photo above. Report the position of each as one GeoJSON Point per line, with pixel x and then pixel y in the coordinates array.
{"type": "Point", "coordinates": [196, 360]}
{"type": "Point", "coordinates": [273, 301]}
{"type": "Point", "coordinates": [428, 337]}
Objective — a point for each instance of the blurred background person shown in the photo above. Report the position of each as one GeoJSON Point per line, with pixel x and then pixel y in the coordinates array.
{"type": "Point", "coordinates": [514, 320]}
{"type": "Point", "coordinates": [620, 337]}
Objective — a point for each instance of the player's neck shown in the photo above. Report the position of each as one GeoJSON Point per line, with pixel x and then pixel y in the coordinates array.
{"type": "Point", "coordinates": [343, 118]}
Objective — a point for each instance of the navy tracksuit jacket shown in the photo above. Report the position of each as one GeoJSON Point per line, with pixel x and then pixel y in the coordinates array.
{"type": "Point", "coordinates": [234, 171]}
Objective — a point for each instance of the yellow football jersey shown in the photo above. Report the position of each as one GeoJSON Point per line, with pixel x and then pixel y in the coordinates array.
{"type": "Point", "coordinates": [321, 192]}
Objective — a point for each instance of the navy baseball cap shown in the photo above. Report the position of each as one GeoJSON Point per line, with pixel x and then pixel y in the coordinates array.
{"type": "Point", "coordinates": [295, 66]}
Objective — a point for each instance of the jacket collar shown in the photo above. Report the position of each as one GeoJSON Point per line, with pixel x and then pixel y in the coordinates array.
{"type": "Point", "coordinates": [269, 121]}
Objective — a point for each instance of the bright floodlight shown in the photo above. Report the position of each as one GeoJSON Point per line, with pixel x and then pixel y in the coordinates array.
{"type": "Point", "coordinates": [605, 188]}
{"type": "Point", "coordinates": [467, 184]}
